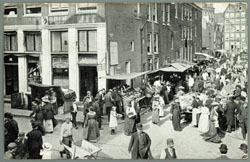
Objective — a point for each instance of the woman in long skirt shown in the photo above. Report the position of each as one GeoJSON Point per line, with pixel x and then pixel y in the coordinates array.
{"type": "Point", "coordinates": [176, 115]}
{"type": "Point", "coordinates": [155, 114]}
{"type": "Point", "coordinates": [214, 134]}
{"type": "Point", "coordinates": [113, 120]}
{"type": "Point", "coordinates": [130, 124]}
{"type": "Point", "coordinates": [204, 120]}
{"type": "Point", "coordinates": [91, 132]}
{"type": "Point", "coordinates": [48, 115]}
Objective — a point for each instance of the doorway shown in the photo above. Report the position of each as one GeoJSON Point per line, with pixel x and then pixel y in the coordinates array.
{"type": "Point", "coordinates": [11, 79]}
{"type": "Point", "coordinates": [88, 80]}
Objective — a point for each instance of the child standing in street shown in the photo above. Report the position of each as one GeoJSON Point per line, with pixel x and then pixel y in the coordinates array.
{"type": "Point", "coordinates": [113, 120]}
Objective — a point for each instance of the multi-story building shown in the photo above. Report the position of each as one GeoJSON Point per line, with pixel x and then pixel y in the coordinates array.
{"type": "Point", "coordinates": [218, 36]}
{"type": "Point", "coordinates": [75, 45]}
{"type": "Point", "coordinates": [208, 23]}
{"type": "Point", "coordinates": [236, 25]}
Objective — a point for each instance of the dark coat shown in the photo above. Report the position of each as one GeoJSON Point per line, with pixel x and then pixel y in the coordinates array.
{"type": "Point", "coordinates": [12, 131]}
{"type": "Point", "coordinates": [108, 100]}
{"type": "Point", "coordinates": [229, 112]}
{"type": "Point", "coordinates": [195, 104]}
{"type": "Point", "coordinates": [34, 142]}
{"type": "Point", "coordinates": [97, 108]}
{"type": "Point", "coordinates": [140, 150]}
{"type": "Point", "coordinates": [176, 116]}
{"type": "Point", "coordinates": [48, 111]}
{"type": "Point", "coordinates": [168, 155]}
{"type": "Point", "coordinates": [21, 149]}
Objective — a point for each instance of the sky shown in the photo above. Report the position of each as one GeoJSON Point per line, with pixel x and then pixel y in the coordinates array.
{"type": "Point", "coordinates": [220, 6]}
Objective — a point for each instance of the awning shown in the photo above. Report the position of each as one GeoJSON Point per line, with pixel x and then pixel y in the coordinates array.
{"type": "Point", "coordinates": [124, 76]}
{"type": "Point", "coordinates": [180, 67]}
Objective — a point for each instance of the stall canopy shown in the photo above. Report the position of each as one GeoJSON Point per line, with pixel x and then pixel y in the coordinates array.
{"type": "Point", "coordinates": [125, 76]}
{"type": "Point", "coordinates": [175, 67]}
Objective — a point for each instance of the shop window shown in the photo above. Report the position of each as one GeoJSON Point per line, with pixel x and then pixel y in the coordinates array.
{"type": "Point", "coordinates": [59, 41]}
{"type": "Point", "coordinates": [33, 41]}
{"type": "Point", "coordinates": [10, 41]}
{"type": "Point", "coordinates": [87, 41]}
{"type": "Point", "coordinates": [59, 7]}
{"type": "Point", "coordinates": [10, 10]}
{"type": "Point", "coordinates": [32, 8]}
{"type": "Point", "coordinates": [60, 71]}
{"type": "Point", "coordinates": [33, 71]}
{"type": "Point", "coordinates": [87, 7]}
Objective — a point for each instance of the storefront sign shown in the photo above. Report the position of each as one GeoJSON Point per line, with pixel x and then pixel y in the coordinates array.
{"type": "Point", "coordinates": [87, 60]}
{"type": "Point", "coordinates": [60, 62]}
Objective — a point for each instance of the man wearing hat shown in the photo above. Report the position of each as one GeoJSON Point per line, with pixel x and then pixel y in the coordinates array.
{"type": "Point", "coordinates": [140, 143]}
{"type": "Point", "coordinates": [229, 111]}
{"type": "Point", "coordinates": [223, 151]}
{"type": "Point", "coordinates": [11, 129]}
{"type": "Point", "coordinates": [21, 143]}
{"type": "Point", "coordinates": [34, 142]}
{"type": "Point", "coordinates": [11, 153]}
{"type": "Point", "coordinates": [66, 136]}
{"type": "Point", "coordinates": [169, 152]}
{"type": "Point", "coordinates": [243, 147]}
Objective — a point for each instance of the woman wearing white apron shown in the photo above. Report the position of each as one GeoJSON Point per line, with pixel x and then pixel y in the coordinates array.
{"type": "Point", "coordinates": [204, 120]}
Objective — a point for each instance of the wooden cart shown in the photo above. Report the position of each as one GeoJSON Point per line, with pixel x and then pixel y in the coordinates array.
{"type": "Point", "coordinates": [86, 151]}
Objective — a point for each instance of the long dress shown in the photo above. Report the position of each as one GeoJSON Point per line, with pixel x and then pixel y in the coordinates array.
{"type": "Point", "coordinates": [195, 112]}
{"type": "Point", "coordinates": [213, 135]}
{"type": "Point", "coordinates": [176, 116]}
{"type": "Point", "coordinates": [48, 117]}
{"type": "Point", "coordinates": [155, 113]}
{"type": "Point", "coordinates": [92, 131]}
{"type": "Point", "coordinates": [113, 120]}
{"type": "Point", "coordinates": [161, 111]}
{"type": "Point", "coordinates": [204, 120]}
{"type": "Point", "coordinates": [129, 124]}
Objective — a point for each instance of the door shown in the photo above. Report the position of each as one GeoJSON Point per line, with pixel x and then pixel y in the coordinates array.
{"type": "Point", "coordinates": [11, 79]}
{"type": "Point", "coordinates": [88, 80]}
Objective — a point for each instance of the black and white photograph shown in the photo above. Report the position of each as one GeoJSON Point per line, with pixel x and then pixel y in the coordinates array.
{"type": "Point", "coordinates": [125, 80]}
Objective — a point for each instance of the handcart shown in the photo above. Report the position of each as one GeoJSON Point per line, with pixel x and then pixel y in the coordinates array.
{"type": "Point", "coordinates": [86, 151]}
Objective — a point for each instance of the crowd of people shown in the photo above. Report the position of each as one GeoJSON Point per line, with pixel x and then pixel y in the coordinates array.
{"type": "Point", "coordinates": [218, 105]}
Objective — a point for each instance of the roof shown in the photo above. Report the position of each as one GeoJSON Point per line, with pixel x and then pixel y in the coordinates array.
{"type": "Point", "coordinates": [125, 76]}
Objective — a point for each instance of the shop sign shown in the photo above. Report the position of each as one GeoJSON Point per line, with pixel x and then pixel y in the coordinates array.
{"type": "Point", "coordinates": [60, 62]}
{"type": "Point", "coordinates": [87, 60]}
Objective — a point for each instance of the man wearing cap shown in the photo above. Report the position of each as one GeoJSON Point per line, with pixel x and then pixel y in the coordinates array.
{"type": "Point", "coordinates": [34, 142]}
{"type": "Point", "coordinates": [223, 151]}
{"type": "Point", "coordinates": [66, 136]}
{"type": "Point", "coordinates": [139, 145]}
{"type": "Point", "coordinates": [11, 129]}
{"type": "Point", "coordinates": [169, 152]}
{"type": "Point", "coordinates": [243, 147]}
{"type": "Point", "coordinates": [11, 153]}
{"type": "Point", "coordinates": [21, 146]}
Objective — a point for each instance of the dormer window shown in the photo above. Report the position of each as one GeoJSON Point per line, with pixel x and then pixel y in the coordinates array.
{"type": "Point", "coordinates": [10, 10]}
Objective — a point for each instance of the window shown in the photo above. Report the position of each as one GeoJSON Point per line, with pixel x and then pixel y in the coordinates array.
{"type": "Point", "coordinates": [59, 7]}
{"type": "Point", "coordinates": [196, 14]}
{"type": "Point", "coordinates": [232, 28]}
{"type": "Point", "coordinates": [187, 33]}
{"type": "Point", "coordinates": [172, 41]}
{"type": "Point", "coordinates": [60, 67]}
{"type": "Point", "coordinates": [243, 14]}
{"type": "Point", "coordinates": [227, 28]}
{"type": "Point", "coordinates": [10, 10]}
{"type": "Point", "coordinates": [138, 6]}
{"type": "Point", "coordinates": [237, 14]}
{"type": "Point", "coordinates": [149, 39]}
{"type": "Point", "coordinates": [182, 32]}
{"type": "Point", "coordinates": [154, 12]}
{"type": "Point", "coordinates": [232, 21]}
{"type": "Point", "coordinates": [132, 44]}
{"type": "Point", "coordinates": [176, 10]}
{"type": "Point", "coordinates": [156, 47]}
{"type": "Point", "coordinates": [163, 5]}
{"type": "Point", "coordinates": [86, 7]}
{"type": "Point", "coordinates": [191, 33]}
{"type": "Point", "coordinates": [243, 28]}
{"type": "Point", "coordinates": [156, 63]}
{"type": "Point", "coordinates": [243, 36]}
{"type": "Point", "coordinates": [32, 8]}
{"type": "Point", "coordinates": [237, 21]}
{"type": "Point", "coordinates": [182, 11]}
{"type": "Point", "coordinates": [59, 41]}
{"type": "Point", "coordinates": [10, 41]}
{"type": "Point", "coordinates": [195, 31]}
{"type": "Point", "coordinates": [191, 53]}
{"type": "Point", "coordinates": [226, 15]}
{"type": "Point", "coordinates": [227, 21]}
{"type": "Point", "coordinates": [87, 41]}
{"type": "Point", "coordinates": [237, 27]}
{"type": "Point", "coordinates": [226, 36]}
{"type": "Point", "coordinates": [149, 11]}
{"type": "Point", "coordinates": [33, 41]}
{"type": "Point", "coordinates": [195, 48]}
{"type": "Point", "coordinates": [231, 15]}
{"type": "Point", "coordinates": [237, 36]}
{"type": "Point", "coordinates": [188, 13]}
{"type": "Point", "coordinates": [243, 21]}
{"type": "Point", "coordinates": [191, 14]}
{"type": "Point", "coordinates": [231, 36]}
{"type": "Point", "coordinates": [150, 64]}
{"type": "Point", "coordinates": [168, 13]}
